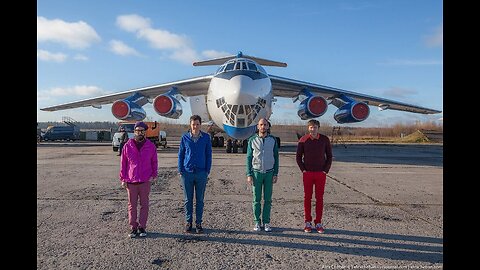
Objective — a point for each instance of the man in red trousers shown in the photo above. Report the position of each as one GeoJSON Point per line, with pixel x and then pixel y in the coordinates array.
{"type": "Point", "coordinates": [314, 158]}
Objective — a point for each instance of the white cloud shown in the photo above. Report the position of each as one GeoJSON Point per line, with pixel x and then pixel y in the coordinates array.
{"type": "Point", "coordinates": [209, 54]}
{"type": "Point", "coordinates": [80, 57]}
{"type": "Point", "coordinates": [76, 35]}
{"type": "Point", "coordinates": [132, 22]}
{"type": "Point", "coordinates": [398, 92]}
{"type": "Point", "coordinates": [51, 57]}
{"type": "Point", "coordinates": [162, 39]}
{"type": "Point", "coordinates": [120, 48]}
{"type": "Point", "coordinates": [178, 46]}
{"type": "Point", "coordinates": [78, 90]}
{"type": "Point", "coordinates": [435, 39]}
{"type": "Point", "coordinates": [187, 55]}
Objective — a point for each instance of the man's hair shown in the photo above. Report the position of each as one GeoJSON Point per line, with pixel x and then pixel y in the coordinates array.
{"type": "Point", "coordinates": [263, 118]}
{"type": "Point", "coordinates": [312, 122]}
{"type": "Point", "coordinates": [195, 117]}
{"type": "Point", "coordinates": [268, 123]}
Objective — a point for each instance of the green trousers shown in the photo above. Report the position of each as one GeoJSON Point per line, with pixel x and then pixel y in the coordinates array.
{"type": "Point", "coordinates": [262, 181]}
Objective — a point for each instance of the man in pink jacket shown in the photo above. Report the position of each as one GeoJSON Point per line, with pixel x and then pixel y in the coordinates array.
{"type": "Point", "coordinates": [138, 169]}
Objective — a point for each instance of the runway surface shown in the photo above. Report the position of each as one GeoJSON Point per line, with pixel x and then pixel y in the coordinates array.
{"type": "Point", "coordinates": [383, 210]}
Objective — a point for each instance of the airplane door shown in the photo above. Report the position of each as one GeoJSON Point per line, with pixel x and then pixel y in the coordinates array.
{"type": "Point", "coordinates": [198, 104]}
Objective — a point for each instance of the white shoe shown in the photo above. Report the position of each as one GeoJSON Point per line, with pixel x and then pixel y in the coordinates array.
{"type": "Point", "coordinates": [142, 232]}
{"type": "Point", "coordinates": [133, 233]}
{"type": "Point", "coordinates": [267, 227]}
{"type": "Point", "coordinates": [257, 227]}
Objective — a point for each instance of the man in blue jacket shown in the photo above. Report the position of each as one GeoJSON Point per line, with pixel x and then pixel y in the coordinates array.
{"type": "Point", "coordinates": [194, 164]}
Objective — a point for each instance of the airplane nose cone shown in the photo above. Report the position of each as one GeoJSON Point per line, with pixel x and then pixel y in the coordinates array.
{"type": "Point", "coordinates": [243, 89]}
{"type": "Point", "coordinates": [239, 133]}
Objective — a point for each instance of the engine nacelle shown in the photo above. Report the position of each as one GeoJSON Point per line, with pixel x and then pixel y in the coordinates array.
{"type": "Point", "coordinates": [312, 107]}
{"type": "Point", "coordinates": [167, 106]}
{"type": "Point", "coordinates": [352, 112]}
{"type": "Point", "coordinates": [128, 110]}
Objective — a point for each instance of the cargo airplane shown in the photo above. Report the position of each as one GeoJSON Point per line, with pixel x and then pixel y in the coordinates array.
{"type": "Point", "coordinates": [237, 95]}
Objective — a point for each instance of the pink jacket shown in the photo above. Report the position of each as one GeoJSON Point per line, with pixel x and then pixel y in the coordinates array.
{"type": "Point", "coordinates": [138, 166]}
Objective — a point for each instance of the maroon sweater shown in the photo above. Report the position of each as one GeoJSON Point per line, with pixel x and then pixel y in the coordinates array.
{"type": "Point", "coordinates": [314, 154]}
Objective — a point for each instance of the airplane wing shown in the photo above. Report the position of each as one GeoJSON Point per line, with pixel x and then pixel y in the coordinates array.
{"type": "Point", "coordinates": [189, 87]}
{"type": "Point", "coordinates": [284, 87]}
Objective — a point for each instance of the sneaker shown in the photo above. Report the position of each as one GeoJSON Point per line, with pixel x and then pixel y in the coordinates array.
{"type": "Point", "coordinates": [308, 227]}
{"type": "Point", "coordinates": [198, 228]}
{"type": "Point", "coordinates": [133, 233]}
{"type": "Point", "coordinates": [188, 228]}
{"type": "Point", "coordinates": [257, 227]}
{"type": "Point", "coordinates": [319, 228]}
{"type": "Point", "coordinates": [267, 227]}
{"type": "Point", "coordinates": [142, 232]}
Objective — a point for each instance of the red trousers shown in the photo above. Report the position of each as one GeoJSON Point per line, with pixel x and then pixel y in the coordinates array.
{"type": "Point", "coordinates": [135, 192]}
{"type": "Point", "coordinates": [311, 179]}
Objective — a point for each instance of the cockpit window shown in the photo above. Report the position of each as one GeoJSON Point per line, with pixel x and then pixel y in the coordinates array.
{"type": "Point", "coordinates": [220, 69]}
{"type": "Point", "coordinates": [240, 64]}
{"type": "Point", "coordinates": [260, 68]}
{"type": "Point", "coordinates": [229, 66]}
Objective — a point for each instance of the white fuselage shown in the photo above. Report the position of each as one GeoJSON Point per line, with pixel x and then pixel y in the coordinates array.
{"type": "Point", "coordinates": [237, 99]}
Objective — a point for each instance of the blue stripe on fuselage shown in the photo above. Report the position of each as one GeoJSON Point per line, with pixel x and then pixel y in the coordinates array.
{"type": "Point", "coordinates": [254, 75]}
{"type": "Point", "coordinates": [239, 133]}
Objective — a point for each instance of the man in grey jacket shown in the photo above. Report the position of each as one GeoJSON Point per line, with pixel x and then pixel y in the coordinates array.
{"type": "Point", "coordinates": [262, 171]}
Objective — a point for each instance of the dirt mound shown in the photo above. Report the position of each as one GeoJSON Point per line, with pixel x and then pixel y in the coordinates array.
{"type": "Point", "coordinates": [415, 137]}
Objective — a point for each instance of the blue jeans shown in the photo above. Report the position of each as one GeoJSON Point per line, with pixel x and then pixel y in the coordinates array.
{"type": "Point", "coordinates": [194, 182]}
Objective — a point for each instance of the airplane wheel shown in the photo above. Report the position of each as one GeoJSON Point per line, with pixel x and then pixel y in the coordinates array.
{"type": "Point", "coordinates": [235, 147]}
{"type": "Point", "coordinates": [214, 141]}
{"type": "Point", "coordinates": [244, 146]}
{"type": "Point", "coordinates": [229, 146]}
{"type": "Point", "coordinates": [221, 142]}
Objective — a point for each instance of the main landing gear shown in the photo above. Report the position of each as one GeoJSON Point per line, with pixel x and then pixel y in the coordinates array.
{"type": "Point", "coordinates": [233, 145]}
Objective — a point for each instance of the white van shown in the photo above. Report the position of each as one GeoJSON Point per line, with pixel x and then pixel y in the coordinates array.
{"type": "Point", "coordinates": [161, 140]}
{"type": "Point", "coordinates": [117, 136]}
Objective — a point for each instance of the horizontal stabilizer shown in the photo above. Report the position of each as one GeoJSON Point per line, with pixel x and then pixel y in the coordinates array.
{"type": "Point", "coordinates": [221, 60]}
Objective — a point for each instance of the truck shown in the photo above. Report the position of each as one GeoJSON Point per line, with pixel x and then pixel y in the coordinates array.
{"type": "Point", "coordinates": [154, 134]}
{"type": "Point", "coordinates": [54, 133]}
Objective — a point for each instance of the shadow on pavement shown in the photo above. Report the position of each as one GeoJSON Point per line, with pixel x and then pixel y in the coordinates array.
{"type": "Point", "coordinates": [418, 248]}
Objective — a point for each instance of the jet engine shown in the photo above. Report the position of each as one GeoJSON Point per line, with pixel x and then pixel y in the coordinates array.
{"type": "Point", "coordinates": [128, 110]}
{"type": "Point", "coordinates": [167, 106]}
{"type": "Point", "coordinates": [312, 107]}
{"type": "Point", "coordinates": [352, 112]}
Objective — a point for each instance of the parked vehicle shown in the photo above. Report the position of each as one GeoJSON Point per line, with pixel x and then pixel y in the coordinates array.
{"type": "Point", "coordinates": [154, 134]}
{"type": "Point", "coordinates": [39, 135]}
{"type": "Point", "coordinates": [54, 133]}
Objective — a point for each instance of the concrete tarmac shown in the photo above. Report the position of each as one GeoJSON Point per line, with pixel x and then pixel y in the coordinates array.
{"type": "Point", "coordinates": [383, 209]}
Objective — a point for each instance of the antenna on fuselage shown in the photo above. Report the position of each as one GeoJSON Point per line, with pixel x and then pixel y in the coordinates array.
{"type": "Point", "coordinates": [221, 60]}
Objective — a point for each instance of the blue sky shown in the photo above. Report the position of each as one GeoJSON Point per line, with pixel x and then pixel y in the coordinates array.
{"type": "Point", "coordinates": [386, 48]}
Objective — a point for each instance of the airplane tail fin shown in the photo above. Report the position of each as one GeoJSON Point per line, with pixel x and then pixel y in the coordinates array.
{"type": "Point", "coordinates": [221, 60]}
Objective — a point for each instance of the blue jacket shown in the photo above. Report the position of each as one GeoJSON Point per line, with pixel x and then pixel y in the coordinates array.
{"type": "Point", "coordinates": [193, 156]}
